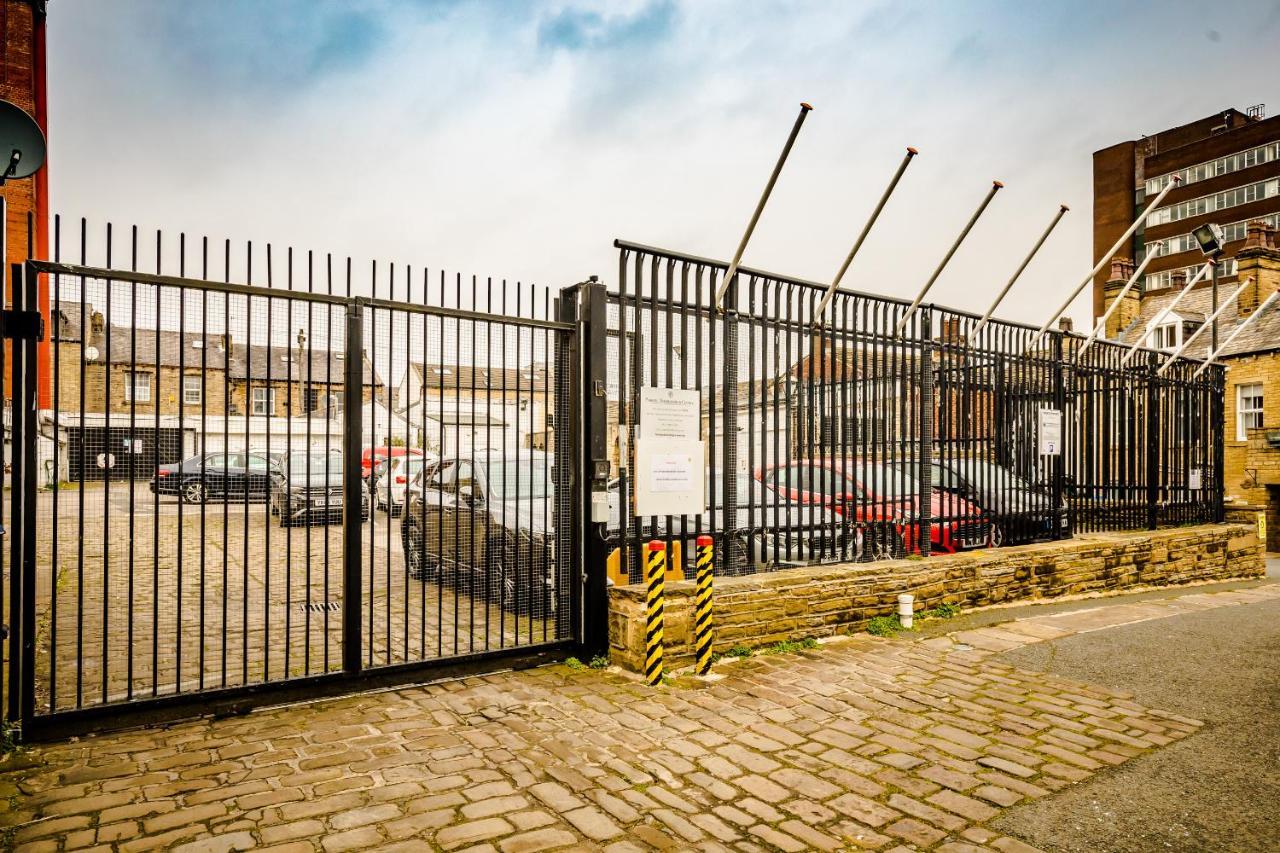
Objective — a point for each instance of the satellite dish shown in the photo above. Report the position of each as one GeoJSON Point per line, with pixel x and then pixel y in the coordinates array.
{"type": "Point", "coordinates": [22, 146]}
{"type": "Point", "coordinates": [91, 354]}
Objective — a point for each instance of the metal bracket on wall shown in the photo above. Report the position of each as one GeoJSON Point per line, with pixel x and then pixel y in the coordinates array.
{"type": "Point", "coordinates": [21, 325]}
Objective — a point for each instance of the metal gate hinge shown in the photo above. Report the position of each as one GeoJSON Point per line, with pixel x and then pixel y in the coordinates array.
{"type": "Point", "coordinates": [21, 325]}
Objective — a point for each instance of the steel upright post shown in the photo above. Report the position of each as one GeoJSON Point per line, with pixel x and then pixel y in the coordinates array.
{"type": "Point", "coordinates": [352, 487]}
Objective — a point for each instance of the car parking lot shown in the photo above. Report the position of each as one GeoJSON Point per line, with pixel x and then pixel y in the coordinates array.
{"type": "Point", "coordinates": [150, 594]}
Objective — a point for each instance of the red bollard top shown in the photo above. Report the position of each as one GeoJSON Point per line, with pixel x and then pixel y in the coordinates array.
{"type": "Point", "coordinates": [657, 545]}
{"type": "Point", "coordinates": [704, 541]}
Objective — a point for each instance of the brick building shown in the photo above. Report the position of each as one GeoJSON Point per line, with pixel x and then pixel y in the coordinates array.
{"type": "Point", "coordinates": [22, 82]}
{"type": "Point", "coordinates": [1251, 456]}
{"type": "Point", "coordinates": [1229, 165]}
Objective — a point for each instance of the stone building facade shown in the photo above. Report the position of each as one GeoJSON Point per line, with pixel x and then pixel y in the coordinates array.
{"type": "Point", "coordinates": [1251, 452]}
{"type": "Point", "coordinates": [145, 372]}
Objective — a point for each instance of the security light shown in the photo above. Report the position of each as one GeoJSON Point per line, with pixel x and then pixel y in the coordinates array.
{"type": "Point", "coordinates": [1210, 238]}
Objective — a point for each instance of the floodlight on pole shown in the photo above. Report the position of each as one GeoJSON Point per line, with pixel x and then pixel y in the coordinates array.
{"type": "Point", "coordinates": [973, 336]}
{"type": "Point", "coordinates": [755, 217]}
{"type": "Point", "coordinates": [1104, 260]}
{"type": "Point", "coordinates": [1115, 303]}
{"type": "Point", "coordinates": [1165, 311]}
{"type": "Point", "coordinates": [866, 229]}
{"type": "Point", "coordinates": [996, 186]}
{"type": "Point", "coordinates": [1212, 318]}
{"type": "Point", "coordinates": [1262, 309]}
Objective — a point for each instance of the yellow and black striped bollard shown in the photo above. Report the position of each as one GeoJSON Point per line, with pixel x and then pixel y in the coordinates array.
{"type": "Point", "coordinates": [655, 576]}
{"type": "Point", "coordinates": [702, 632]}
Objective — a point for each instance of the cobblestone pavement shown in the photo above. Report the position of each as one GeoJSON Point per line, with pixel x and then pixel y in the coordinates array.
{"type": "Point", "coordinates": [861, 743]}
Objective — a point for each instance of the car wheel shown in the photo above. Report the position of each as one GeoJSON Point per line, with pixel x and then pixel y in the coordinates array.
{"type": "Point", "coordinates": [193, 492]}
{"type": "Point", "coordinates": [880, 543]}
{"type": "Point", "coordinates": [500, 582]}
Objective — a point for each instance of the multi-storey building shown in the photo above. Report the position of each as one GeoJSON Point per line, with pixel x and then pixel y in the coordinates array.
{"type": "Point", "coordinates": [1229, 170]}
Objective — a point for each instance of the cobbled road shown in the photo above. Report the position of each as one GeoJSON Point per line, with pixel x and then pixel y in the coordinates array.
{"type": "Point", "coordinates": [861, 743]}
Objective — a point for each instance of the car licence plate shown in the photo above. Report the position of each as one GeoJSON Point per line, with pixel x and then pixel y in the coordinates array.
{"type": "Point", "coordinates": [321, 502]}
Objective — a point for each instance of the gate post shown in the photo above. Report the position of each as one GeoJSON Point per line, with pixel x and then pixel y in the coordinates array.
{"type": "Point", "coordinates": [587, 304]}
{"type": "Point", "coordinates": [925, 518]}
{"type": "Point", "coordinates": [33, 335]}
{"type": "Point", "coordinates": [1059, 461]}
{"type": "Point", "coordinates": [729, 460]}
{"type": "Point", "coordinates": [1153, 446]}
{"type": "Point", "coordinates": [1218, 435]}
{"type": "Point", "coordinates": [352, 486]}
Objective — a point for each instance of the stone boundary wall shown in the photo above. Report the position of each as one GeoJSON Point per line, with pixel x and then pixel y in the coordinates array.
{"type": "Point", "coordinates": [827, 600]}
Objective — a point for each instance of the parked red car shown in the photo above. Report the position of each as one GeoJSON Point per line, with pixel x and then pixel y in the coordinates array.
{"type": "Point", "coordinates": [879, 496]}
{"type": "Point", "coordinates": [372, 456]}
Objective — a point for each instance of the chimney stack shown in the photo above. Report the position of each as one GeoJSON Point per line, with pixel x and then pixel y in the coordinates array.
{"type": "Point", "coordinates": [1259, 258]}
{"type": "Point", "coordinates": [1123, 317]}
{"type": "Point", "coordinates": [1065, 324]}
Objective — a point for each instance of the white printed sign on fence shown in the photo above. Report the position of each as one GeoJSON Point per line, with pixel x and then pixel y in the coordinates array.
{"type": "Point", "coordinates": [1049, 431]}
{"type": "Point", "coordinates": [669, 454]}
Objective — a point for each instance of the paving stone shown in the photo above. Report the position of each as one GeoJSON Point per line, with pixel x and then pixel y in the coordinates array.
{"type": "Point", "coordinates": [864, 743]}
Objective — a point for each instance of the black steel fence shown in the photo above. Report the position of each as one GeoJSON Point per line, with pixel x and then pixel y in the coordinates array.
{"type": "Point", "coordinates": [260, 468]}
{"type": "Point", "coordinates": [872, 431]}
{"type": "Point", "coordinates": [266, 467]}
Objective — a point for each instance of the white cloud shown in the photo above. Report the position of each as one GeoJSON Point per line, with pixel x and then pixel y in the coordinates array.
{"type": "Point", "coordinates": [461, 137]}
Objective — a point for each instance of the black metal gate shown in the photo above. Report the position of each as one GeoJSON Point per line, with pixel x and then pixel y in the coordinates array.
{"type": "Point", "coordinates": [294, 487]}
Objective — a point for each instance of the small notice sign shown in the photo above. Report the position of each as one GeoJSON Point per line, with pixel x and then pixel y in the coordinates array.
{"type": "Point", "coordinates": [1195, 479]}
{"type": "Point", "coordinates": [670, 456]}
{"type": "Point", "coordinates": [671, 414]}
{"type": "Point", "coordinates": [1049, 431]}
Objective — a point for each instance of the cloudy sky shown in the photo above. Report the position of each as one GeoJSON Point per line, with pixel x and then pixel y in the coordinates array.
{"type": "Point", "coordinates": [519, 139]}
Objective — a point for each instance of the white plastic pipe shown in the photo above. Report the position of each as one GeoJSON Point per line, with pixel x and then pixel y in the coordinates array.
{"type": "Point", "coordinates": [1207, 323]}
{"type": "Point", "coordinates": [1164, 312]}
{"type": "Point", "coordinates": [1106, 315]}
{"type": "Point", "coordinates": [1106, 259]}
{"type": "Point", "coordinates": [1262, 309]}
{"type": "Point", "coordinates": [906, 609]}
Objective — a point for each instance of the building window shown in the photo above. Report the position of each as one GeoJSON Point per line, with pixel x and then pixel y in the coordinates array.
{"type": "Point", "coordinates": [1222, 166]}
{"type": "Point", "coordinates": [137, 388]}
{"type": "Point", "coordinates": [1248, 409]}
{"type": "Point", "coordinates": [192, 392]}
{"type": "Point", "coordinates": [311, 398]}
{"type": "Point", "coordinates": [263, 401]}
{"type": "Point", "coordinates": [1209, 203]}
{"type": "Point", "coordinates": [1161, 280]}
{"type": "Point", "coordinates": [1165, 336]}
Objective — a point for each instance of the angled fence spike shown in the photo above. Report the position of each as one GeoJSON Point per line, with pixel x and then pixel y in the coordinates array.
{"type": "Point", "coordinates": [866, 229]}
{"type": "Point", "coordinates": [1207, 323]}
{"type": "Point", "coordinates": [1099, 326]}
{"type": "Point", "coordinates": [764, 197]}
{"type": "Point", "coordinates": [1104, 260]}
{"type": "Point", "coordinates": [973, 336]}
{"type": "Point", "coordinates": [1262, 309]}
{"type": "Point", "coordinates": [1164, 312]}
{"type": "Point", "coordinates": [996, 186]}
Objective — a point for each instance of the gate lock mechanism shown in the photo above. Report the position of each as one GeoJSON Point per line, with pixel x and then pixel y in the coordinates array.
{"type": "Point", "coordinates": [21, 325]}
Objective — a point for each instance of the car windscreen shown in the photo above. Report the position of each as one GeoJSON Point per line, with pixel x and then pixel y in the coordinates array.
{"type": "Point", "coordinates": [301, 463]}
{"type": "Point", "coordinates": [518, 480]}
{"type": "Point", "coordinates": [986, 475]}
{"type": "Point", "coordinates": [885, 481]}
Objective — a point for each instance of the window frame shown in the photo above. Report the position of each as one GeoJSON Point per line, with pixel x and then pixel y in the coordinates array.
{"type": "Point", "coordinates": [131, 386]}
{"type": "Point", "coordinates": [187, 387]}
{"type": "Point", "coordinates": [1243, 390]}
{"type": "Point", "coordinates": [270, 402]}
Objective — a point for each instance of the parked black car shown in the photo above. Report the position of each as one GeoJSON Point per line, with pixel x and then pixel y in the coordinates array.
{"type": "Point", "coordinates": [308, 487]}
{"type": "Point", "coordinates": [223, 475]}
{"type": "Point", "coordinates": [485, 524]}
{"type": "Point", "coordinates": [1016, 510]}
